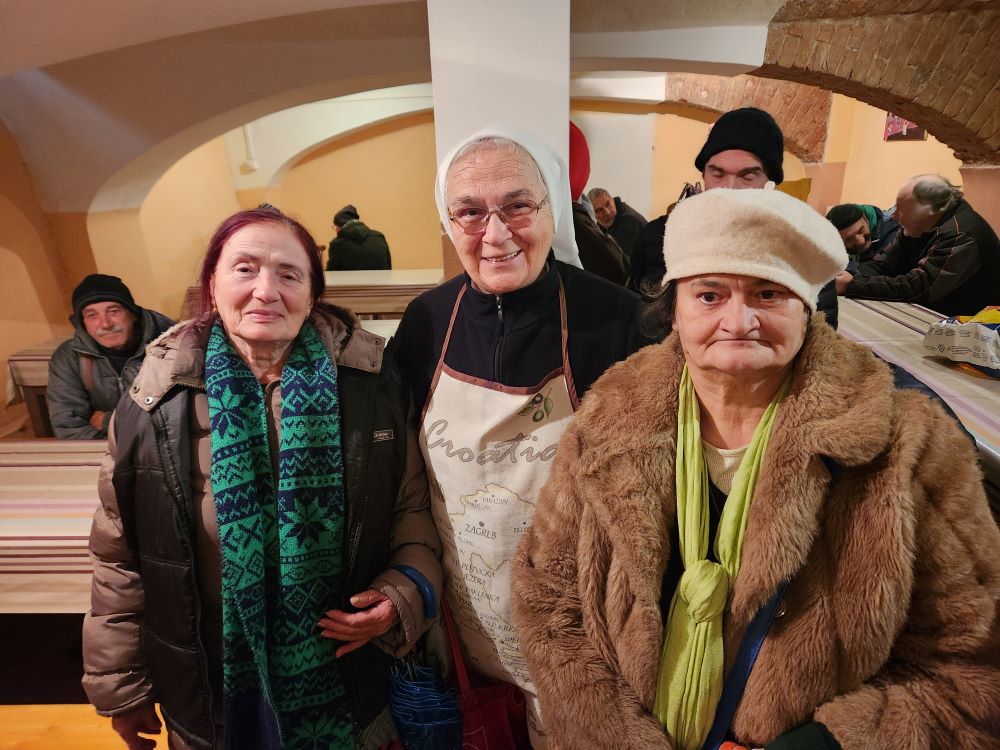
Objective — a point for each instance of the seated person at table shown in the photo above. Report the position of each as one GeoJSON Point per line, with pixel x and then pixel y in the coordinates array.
{"type": "Point", "coordinates": [946, 257]}
{"type": "Point", "coordinates": [88, 373]}
{"type": "Point", "coordinates": [866, 230]}
{"type": "Point", "coordinates": [356, 246]}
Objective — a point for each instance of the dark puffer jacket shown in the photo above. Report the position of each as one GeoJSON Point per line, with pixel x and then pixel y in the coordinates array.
{"type": "Point", "coordinates": [154, 629]}
{"type": "Point", "coordinates": [359, 248]}
{"type": "Point", "coordinates": [70, 402]}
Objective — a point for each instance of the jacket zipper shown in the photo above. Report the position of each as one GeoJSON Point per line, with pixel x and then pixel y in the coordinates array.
{"type": "Point", "coordinates": [496, 352]}
{"type": "Point", "coordinates": [184, 521]}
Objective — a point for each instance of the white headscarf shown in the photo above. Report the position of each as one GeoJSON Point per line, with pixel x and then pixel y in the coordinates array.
{"type": "Point", "coordinates": [554, 175]}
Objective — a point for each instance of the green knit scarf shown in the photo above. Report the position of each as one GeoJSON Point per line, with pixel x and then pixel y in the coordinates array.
{"type": "Point", "coordinates": [691, 667]}
{"type": "Point", "coordinates": [282, 548]}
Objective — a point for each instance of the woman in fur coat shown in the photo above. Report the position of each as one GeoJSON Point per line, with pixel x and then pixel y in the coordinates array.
{"type": "Point", "coordinates": [749, 536]}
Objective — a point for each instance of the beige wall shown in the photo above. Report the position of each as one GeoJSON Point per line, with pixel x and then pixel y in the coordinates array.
{"type": "Point", "coordinates": [387, 172]}
{"type": "Point", "coordinates": [876, 168]}
{"type": "Point", "coordinates": [178, 219]}
{"type": "Point", "coordinates": [34, 292]}
{"type": "Point", "coordinates": [156, 248]}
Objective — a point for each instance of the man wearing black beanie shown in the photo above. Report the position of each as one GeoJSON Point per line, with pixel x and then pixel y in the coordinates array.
{"type": "Point", "coordinates": [88, 373]}
{"type": "Point", "coordinates": [745, 149]}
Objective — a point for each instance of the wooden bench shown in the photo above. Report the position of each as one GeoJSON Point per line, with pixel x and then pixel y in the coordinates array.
{"type": "Point", "coordinates": [48, 495]}
{"type": "Point", "coordinates": [29, 372]}
{"type": "Point", "coordinates": [375, 293]}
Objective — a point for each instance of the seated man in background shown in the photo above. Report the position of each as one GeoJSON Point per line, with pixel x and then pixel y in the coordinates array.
{"type": "Point", "coordinates": [356, 247]}
{"type": "Point", "coordinates": [599, 253]}
{"type": "Point", "coordinates": [617, 218]}
{"type": "Point", "coordinates": [866, 230]}
{"type": "Point", "coordinates": [947, 257]}
{"type": "Point", "coordinates": [89, 373]}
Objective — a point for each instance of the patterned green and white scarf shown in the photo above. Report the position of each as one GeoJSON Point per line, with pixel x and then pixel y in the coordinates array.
{"type": "Point", "coordinates": [282, 548]}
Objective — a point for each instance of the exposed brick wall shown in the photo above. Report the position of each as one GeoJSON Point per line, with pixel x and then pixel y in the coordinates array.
{"type": "Point", "coordinates": [802, 112]}
{"type": "Point", "coordinates": [936, 62]}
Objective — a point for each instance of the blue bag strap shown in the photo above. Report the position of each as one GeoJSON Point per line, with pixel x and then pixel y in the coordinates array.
{"type": "Point", "coordinates": [736, 682]}
{"type": "Point", "coordinates": [423, 586]}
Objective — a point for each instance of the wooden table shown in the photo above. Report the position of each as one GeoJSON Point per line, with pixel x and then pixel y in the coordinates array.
{"type": "Point", "coordinates": [895, 331]}
{"type": "Point", "coordinates": [48, 495]}
{"type": "Point", "coordinates": [29, 373]}
{"type": "Point", "coordinates": [378, 293]}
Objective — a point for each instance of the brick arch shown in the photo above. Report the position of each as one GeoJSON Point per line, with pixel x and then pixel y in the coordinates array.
{"type": "Point", "coordinates": [935, 62]}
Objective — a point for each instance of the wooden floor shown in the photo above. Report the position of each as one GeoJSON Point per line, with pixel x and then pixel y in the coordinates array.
{"type": "Point", "coordinates": [59, 727]}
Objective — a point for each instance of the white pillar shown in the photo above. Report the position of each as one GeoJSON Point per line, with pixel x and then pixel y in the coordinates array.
{"type": "Point", "coordinates": [500, 63]}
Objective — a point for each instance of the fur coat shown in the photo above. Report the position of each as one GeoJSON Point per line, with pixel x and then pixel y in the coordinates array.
{"type": "Point", "coordinates": [888, 634]}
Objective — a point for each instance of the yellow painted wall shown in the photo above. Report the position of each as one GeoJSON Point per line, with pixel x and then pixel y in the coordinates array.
{"type": "Point", "coordinates": [178, 218]}
{"type": "Point", "coordinates": [387, 172]}
{"type": "Point", "coordinates": [34, 293]}
{"type": "Point", "coordinates": [156, 248]}
{"type": "Point", "coordinates": [877, 168]}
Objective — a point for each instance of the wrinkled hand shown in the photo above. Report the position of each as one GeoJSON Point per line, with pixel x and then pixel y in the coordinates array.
{"type": "Point", "coordinates": [843, 279]}
{"type": "Point", "coordinates": [142, 719]}
{"type": "Point", "coordinates": [97, 420]}
{"type": "Point", "coordinates": [355, 630]}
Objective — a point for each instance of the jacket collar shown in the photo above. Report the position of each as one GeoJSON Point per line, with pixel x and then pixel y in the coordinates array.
{"type": "Point", "coordinates": [839, 406]}
{"type": "Point", "coordinates": [177, 357]}
{"type": "Point", "coordinates": [521, 308]}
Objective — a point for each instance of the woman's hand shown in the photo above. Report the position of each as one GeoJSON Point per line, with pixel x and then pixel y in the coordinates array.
{"type": "Point", "coordinates": [142, 719]}
{"type": "Point", "coordinates": [355, 630]}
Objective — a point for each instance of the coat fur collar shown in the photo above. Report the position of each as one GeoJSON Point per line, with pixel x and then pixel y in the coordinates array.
{"type": "Point", "coordinates": [839, 406]}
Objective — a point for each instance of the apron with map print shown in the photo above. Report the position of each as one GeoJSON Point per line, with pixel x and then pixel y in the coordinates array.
{"type": "Point", "coordinates": [489, 449]}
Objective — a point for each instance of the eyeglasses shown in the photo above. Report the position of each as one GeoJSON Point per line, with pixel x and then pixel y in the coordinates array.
{"type": "Point", "coordinates": [516, 215]}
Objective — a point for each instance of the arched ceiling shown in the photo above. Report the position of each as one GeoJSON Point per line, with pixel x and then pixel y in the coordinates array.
{"type": "Point", "coordinates": [106, 94]}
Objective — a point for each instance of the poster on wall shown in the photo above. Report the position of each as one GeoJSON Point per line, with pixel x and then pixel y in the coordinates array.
{"type": "Point", "coordinates": [898, 129]}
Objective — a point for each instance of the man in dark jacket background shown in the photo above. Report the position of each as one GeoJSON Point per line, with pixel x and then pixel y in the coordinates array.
{"type": "Point", "coordinates": [947, 257]}
{"type": "Point", "coordinates": [617, 218]}
{"type": "Point", "coordinates": [356, 246]}
{"type": "Point", "coordinates": [89, 373]}
{"type": "Point", "coordinates": [599, 253]}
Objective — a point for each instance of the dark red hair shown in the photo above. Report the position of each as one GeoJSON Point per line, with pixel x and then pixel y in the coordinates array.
{"type": "Point", "coordinates": [263, 214]}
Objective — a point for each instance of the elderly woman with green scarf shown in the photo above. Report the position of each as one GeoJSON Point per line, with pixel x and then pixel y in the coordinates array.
{"type": "Point", "coordinates": [264, 544]}
{"type": "Point", "coordinates": [749, 535]}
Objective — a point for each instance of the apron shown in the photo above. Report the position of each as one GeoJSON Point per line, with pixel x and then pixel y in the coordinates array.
{"type": "Point", "coordinates": [488, 450]}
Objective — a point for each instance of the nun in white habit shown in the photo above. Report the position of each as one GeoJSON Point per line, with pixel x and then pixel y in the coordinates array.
{"type": "Point", "coordinates": [498, 359]}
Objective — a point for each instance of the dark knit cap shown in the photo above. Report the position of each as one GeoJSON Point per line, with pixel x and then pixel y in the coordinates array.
{"type": "Point", "coordinates": [99, 287]}
{"type": "Point", "coordinates": [747, 129]}
{"type": "Point", "coordinates": [346, 214]}
{"type": "Point", "coordinates": [844, 215]}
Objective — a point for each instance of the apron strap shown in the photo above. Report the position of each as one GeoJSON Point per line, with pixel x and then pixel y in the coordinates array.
{"type": "Point", "coordinates": [444, 349]}
{"type": "Point", "coordinates": [564, 332]}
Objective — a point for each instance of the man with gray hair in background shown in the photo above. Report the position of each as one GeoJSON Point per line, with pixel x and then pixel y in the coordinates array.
{"type": "Point", "coordinates": [947, 257]}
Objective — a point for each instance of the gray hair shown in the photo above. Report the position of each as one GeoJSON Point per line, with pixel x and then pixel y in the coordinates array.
{"type": "Point", "coordinates": [595, 193]}
{"type": "Point", "coordinates": [490, 143]}
{"type": "Point", "coordinates": [935, 193]}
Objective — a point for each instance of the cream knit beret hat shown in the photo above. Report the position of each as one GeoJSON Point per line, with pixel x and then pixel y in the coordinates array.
{"type": "Point", "coordinates": [762, 233]}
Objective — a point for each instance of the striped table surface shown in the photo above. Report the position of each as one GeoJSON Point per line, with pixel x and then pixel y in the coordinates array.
{"type": "Point", "coordinates": [48, 494]}
{"type": "Point", "coordinates": [895, 332]}
{"type": "Point", "coordinates": [59, 727]}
